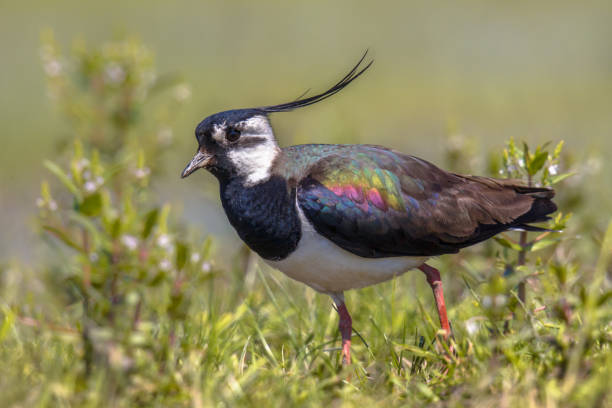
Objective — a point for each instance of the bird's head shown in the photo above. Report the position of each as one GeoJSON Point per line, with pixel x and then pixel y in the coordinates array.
{"type": "Point", "coordinates": [235, 143]}
{"type": "Point", "coordinates": [241, 143]}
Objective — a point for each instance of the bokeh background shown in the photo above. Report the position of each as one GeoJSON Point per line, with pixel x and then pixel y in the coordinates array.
{"type": "Point", "coordinates": [475, 72]}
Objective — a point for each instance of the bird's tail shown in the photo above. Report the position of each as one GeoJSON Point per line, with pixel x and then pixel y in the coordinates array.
{"type": "Point", "coordinates": [540, 208]}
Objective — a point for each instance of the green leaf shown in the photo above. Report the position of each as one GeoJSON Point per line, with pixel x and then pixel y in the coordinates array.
{"type": "Point", "coordinates": [63, 177]}
{"type": "Point", "coordinates": [88, 225]}
{"type": "Point", "coordinates": [545, 145]}
{"type": "Point", "coordinates": [158, 278]}
{"type": "Point", "coordinates": [508, 244]}
{"type": "Point", "coordinates": [115, 169]}
{"type": "Point", "coordinates": [7, 324]}
{"type": "Point", "coordinates": [62, 236]}
{"type": "Point", "coordinates": [163, 219]}
{"type": "Point", "coordinates": [207, 247]}
{"type": "Point", "coordinates": [45, 192]}
{"type": "Point", "coordinates": [115, 228]}
{"type": "Point", "coordinates": [526, 156]}
{"type": "Point", "coordinates": [604, 298]}
{"type": "Point", "coordinates": [537, 162]}
{"type": "Point", "coordinates": [558, 149]}
{"type": "Point", "coordinates": [560, 271]}
{"type": "Point", "coordinates": [150, 221]}
{"type": "Point", "coordinates": [560, 177]}
{"type": "Point", "coordinates": [181, 255]}
{"type": "Point", "coordinates": [91, 205]}
{"type": "Point", "coordinates": [177, 308]}
{"type": "Point", "coordinates": [543, 244]}
{"type": "Point", "coordinates": [420, 352]}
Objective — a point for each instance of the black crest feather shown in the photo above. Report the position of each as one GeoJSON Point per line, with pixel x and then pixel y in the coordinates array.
{"type": "Point", "coordinates": [300, 103]}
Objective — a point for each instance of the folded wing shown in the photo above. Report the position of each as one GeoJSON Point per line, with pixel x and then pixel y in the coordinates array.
{"type": "Point", "coordinates": [376, 202]}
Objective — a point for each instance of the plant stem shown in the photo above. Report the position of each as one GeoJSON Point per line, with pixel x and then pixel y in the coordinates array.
{"type": "Point", "coordinates": [115, 276]}
{"type": "Point", "coordinates": [521, 261]}
{"type": "Point", "coordinates": [523, 254]}
{"type": "Point", "coordinates": [87, 266]}
{"type": "Point", "coordinates": [85, 335]}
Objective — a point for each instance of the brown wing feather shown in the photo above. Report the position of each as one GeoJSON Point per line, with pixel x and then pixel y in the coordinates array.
{"type": "Point", "coordinates": [376, 202]}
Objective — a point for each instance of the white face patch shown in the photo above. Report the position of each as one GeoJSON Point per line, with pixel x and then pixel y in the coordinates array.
{"type": "Point", "coordinates": [254, 160]}
{"type": "Point", "coordinates": [218, 132]}
{"type": "Point", "coordinates": [256, 126]}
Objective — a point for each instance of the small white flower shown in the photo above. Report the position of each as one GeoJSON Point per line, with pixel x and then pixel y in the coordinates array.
{"type": "Point", "coordinates": [521, 162]}
{"type": "Point", "coordinates": [487, 301]}
{"type": "Point", "coordinates": [471, 326]}
{"type": "Point", "coordinates": [53, 67]}
{"type": "Point", "coordinates": [195, 257]}
{"type": "Point", "coordinates": [40, 203]}
{"type": "Point", "coordinates": [553, 169]}
{"type": "Point", "coordinates": [90, 186]}
{"type": "Point", "coordinates": [52, 205]}
{"type": "Point", "coordinates": [114, 73]}
{"type": "Point", "coordinates": [81, 164]}
{"type": "Point", "coordinates": [165, 265]}
{"type": "Point", "coordinates": [142, 172]}
{"type": "Point", "coordinates": [99, 181]}
{"type": "Point", "coordinates": [93, 257]}
{"type": "Point", "coordinates": [182, 92]}
{"type": "Point", "coordinates": [206, 267]}
{"type": "Point", "coordinates": [164, 241]}
{"type": "Point", "coordinates": [129, 241]}
{"type": "Point", "coordinates": [500, 300]}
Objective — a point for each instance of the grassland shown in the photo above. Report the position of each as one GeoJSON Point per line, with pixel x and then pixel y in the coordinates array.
{"type": "Point", "coordinates": [132, 291]}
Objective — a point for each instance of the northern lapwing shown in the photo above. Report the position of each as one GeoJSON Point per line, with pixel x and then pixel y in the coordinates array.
{"type": "Point", "coordinates": [340, 217]}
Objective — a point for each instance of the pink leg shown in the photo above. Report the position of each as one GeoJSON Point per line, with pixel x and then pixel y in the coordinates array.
{"type": "Point", "coordinates": [346, 327]}
{"type": "Point", "coordinates": [433, 278]}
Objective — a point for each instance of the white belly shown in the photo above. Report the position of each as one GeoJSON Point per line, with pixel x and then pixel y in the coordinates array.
{"type": "Point", "coordinates": [324, 266]}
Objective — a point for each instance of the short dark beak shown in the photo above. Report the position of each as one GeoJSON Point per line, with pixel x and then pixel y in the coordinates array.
{"type": "Point", "coordinates": [201, 159]}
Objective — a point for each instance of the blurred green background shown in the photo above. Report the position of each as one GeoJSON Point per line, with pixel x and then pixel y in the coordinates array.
{"type": "Point", "coordinates": [485, 70]}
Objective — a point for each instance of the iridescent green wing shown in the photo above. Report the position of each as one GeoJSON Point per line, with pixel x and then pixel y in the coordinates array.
{"type": "Point", "coordinates": [377, 202]}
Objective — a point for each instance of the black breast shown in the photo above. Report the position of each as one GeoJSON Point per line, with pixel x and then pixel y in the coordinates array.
{"type": "Point", "coordinates": [264, 216]}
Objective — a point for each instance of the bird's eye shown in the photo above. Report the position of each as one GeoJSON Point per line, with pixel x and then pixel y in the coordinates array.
{"type": "Point", "coordinates": [232, 134]}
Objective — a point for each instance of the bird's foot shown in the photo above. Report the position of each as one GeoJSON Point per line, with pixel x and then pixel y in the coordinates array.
{"type": "Point", "coordinates": [445, 345]}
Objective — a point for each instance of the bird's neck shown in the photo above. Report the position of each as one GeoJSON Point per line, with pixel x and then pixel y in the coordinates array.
{"type": "Point", "coordinates": [263, 214]}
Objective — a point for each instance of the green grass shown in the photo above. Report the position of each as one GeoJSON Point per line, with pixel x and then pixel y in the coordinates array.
{"type": "Point", "coordinates": [261, 340]}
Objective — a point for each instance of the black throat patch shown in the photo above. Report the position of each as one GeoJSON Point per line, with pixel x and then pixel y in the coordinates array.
{"type": "Point", "coordinates": [264, 215]}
